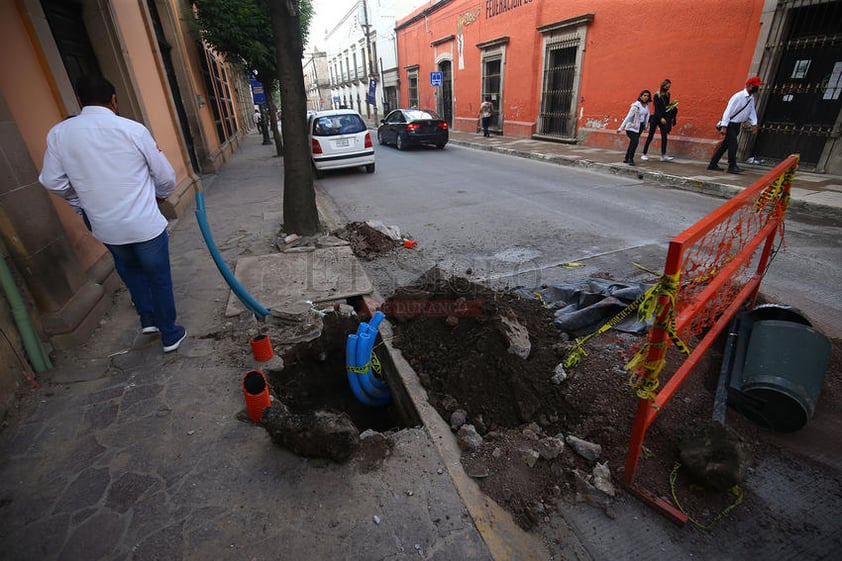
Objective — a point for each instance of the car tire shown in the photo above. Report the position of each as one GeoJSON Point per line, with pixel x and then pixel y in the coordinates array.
{"type": "Point", "coordinates": [369, 168]}
{"type": "Point", "coordinates": [400, 141]}
{"type": "Point", "coordinates": [380, 138]}
{"type": "Point", "coordinates": [318, 173]}
{"type": "Point", "coordinates": [441, 145]}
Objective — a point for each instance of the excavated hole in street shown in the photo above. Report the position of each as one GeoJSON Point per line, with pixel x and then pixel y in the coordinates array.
{"type": "Point", "coordinates": [314, 379]}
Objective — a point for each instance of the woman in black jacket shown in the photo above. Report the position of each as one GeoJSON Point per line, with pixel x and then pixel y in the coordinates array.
{"type": "Point", "coordinates": [663, 118]}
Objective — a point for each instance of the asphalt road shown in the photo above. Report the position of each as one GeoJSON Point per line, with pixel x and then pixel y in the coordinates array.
{"type": "Point", "coordinates": [510, 221]}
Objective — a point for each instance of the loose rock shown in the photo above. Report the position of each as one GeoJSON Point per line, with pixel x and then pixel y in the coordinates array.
{"type": "Point", "coordinates": [550, 448]}
{"type": "Point", "coordinates": [602, 479]}
{"type": "Point", "coordinates": [458, 418]}
{"type": "Point", "coordinates": [468, 438]}
{"type": "Point", "coordinates": [587, 450]}
{"type": "Point", "coordinates": [517, 335]}
{"type": "Point", "coordinates": [559, 374]}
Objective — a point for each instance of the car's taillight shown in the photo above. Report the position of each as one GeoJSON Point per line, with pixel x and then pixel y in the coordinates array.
{"type": "Point", "coordinates": [412, 126]}
{"type": "Point", "coordinates": [443, 125]}
{"type": "Point", "coordinates": [317, 148]}
{"type": "Point", "coordinates": [368, 140]}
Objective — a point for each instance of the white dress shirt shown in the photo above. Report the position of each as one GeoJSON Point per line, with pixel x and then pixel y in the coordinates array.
{"type": "Point", "coordinates": [740, 108]}
{"type": "Point", "coordinates": [116, 170]}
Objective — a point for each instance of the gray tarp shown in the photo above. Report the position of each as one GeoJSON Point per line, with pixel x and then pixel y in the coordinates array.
{"type": "Point", "coordinates": [582, 307]}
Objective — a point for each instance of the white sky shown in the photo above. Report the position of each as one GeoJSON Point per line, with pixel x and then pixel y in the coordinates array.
{"type": "Point", "coordinates": [327, 14]}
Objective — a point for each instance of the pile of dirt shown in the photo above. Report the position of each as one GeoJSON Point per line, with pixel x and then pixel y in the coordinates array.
{"type": "Point", "coordinates": [367, 242]}
{"type": "Point", "coordinates": [458, 337]}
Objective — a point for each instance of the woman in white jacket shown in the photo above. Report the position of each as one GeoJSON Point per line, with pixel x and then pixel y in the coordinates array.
{"type": "Point", "coordinates": [634, 123]}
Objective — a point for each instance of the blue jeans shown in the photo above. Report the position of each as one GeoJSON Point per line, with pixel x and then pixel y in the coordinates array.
{"type": "Point", "coordinates": [145, 269]}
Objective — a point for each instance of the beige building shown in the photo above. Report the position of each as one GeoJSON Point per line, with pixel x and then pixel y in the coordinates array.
{"type": "Point", "coordinates": [56, 278]}
{"type": "Point", "coordinates": [316, 81]}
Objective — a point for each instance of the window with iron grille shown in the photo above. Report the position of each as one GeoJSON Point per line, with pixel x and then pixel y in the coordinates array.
{"type": "Point", "coordinates": [390, 98]}
{"type": "Point", "coordinates": [412, 80]}
{"type": "Point", "coordinates": [564, 53]}
{"type": "Point", "coordinates": [557, 117]}
{"type": "Point", "coordinates": [219, 94]}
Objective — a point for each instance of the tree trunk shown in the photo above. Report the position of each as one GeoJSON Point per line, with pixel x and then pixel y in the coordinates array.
{"type": "Point", "coordinates": [300, 214]}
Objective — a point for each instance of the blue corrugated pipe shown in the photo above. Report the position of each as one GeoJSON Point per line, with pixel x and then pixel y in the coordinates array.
{"type": "Point", "coordinates": [358, 352]}
{"type": "Point", "coordinates": [351, 369]}
{"type": "Point", "coordinates": [241, 293]}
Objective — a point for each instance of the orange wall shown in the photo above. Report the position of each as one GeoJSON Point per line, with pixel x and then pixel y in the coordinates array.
{"type": "Point", "coordinates": [151, 87]}
{"type": "Point", "coordinates": [35, 110]}
{"type": "Point", "coordinates": [24, 85]}
{"type": "Point", "coordinates": [704, 47]}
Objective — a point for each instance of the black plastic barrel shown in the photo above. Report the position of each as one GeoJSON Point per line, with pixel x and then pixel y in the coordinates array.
{"type": "Point", "coordinates": [782, 375]}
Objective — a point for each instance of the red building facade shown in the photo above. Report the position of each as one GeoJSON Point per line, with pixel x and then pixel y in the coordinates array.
{"type": "Point", "coordinates": [569, 70]}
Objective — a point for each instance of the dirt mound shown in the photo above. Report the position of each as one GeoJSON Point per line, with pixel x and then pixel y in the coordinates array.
{"type": "Point", "coordinates": [367, 242]}
{"type": "Point", "coordinates": [458, 338]}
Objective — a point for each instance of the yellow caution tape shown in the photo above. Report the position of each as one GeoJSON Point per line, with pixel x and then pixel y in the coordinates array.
{"type": "Point", "coordinates": [736, 490]}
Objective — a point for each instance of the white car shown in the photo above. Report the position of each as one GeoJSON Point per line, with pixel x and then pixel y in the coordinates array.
{"type": "Point", "coordinates": [339, 138]}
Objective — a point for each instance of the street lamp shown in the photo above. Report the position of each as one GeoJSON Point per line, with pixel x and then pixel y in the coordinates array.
{"type": "Point", "coordinates": [259, 97]}
{"type": "Point", "coordinates": [372, 75]}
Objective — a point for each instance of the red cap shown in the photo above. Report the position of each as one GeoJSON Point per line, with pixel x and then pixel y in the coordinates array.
{"type": "Point", "coordinates": [754, 81]}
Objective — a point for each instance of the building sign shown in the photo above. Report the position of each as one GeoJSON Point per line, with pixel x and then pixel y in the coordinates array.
{"type": "Point", "coordinates": [372, 89]}
{"type": "Point", "coordinates": [436, 79]}
{"type": "Point", "coordinates": [497, 7]}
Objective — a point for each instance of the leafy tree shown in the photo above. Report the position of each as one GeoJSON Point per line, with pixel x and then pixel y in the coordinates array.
{"type": "Point", "coordinates": [268, 36]}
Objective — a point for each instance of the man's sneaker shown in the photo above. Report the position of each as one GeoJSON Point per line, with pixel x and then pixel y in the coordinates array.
{"type": "Point", "coordinates": [714, 167]}
{"type": "Point", "coordinates": [666, 158]}
{"type": "Point", "coordinates": [644, 157]}
{"type": "Point", "coordinates": [149, 329]}
{"type": "Point", "coordinates": [735, 169]}
{"type": "Point", "coordinates": [173, 346]}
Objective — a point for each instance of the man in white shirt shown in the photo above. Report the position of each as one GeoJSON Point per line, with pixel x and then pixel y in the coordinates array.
{"type": "Point", "coordinates": [740, 109]}
{"type": "Point", "coordinates": [258, 122]}
{"type": "Point", "coordinates": [116, 171]}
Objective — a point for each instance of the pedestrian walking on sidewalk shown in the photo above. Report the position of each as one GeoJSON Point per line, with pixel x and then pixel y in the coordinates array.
{"type": "Point", "coordinates": [117, 172]}
{"type": "Point", "coordinates": [740, 109]}
{"type": "Point", "coordinates": [662, 119]}
{"type": "Point", "coordinates": [258, 121]}
{"type": "Point", "coordinates": [634, 124]}
{"type": "Point", "coordinates": [486, 108]}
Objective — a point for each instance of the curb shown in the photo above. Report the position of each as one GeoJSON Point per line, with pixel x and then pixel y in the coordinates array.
{"type": "Point", "coordinates": [800, 207]}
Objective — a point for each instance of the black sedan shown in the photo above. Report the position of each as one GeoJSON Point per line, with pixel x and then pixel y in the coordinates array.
{"type": "Point", "coordinates": [407, 127]}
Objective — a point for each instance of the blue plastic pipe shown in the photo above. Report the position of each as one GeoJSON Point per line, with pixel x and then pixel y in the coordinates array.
{"type": "Point", "coordinates": [365, 342]}
{"type": "Point", "coordinates": [354, 377]}
{"type": "Point", "coordinates": [370, 382]}
{"type": "Point", "coordinates": [241, 293]}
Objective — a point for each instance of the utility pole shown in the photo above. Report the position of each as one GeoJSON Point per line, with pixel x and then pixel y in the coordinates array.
{"type": "Point", "coordinates": [372, 75]}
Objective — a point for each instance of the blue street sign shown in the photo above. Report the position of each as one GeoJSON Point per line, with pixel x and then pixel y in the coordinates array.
{"type": "Point", "coordinates": [436, 79]}
{"type": "Point", "coordinates": [372, 88]}
{"type": "Point", "coordinates": [257, 93]}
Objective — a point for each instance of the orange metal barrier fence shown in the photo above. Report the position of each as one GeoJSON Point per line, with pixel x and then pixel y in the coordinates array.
{"type": "Point", "coordinates": [712, 269]}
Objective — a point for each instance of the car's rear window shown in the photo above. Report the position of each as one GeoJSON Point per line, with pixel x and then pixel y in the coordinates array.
{"type": "Point", "coordinates": [331, 125]}
{"type": "Point", "coordinates": [420, 114]}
